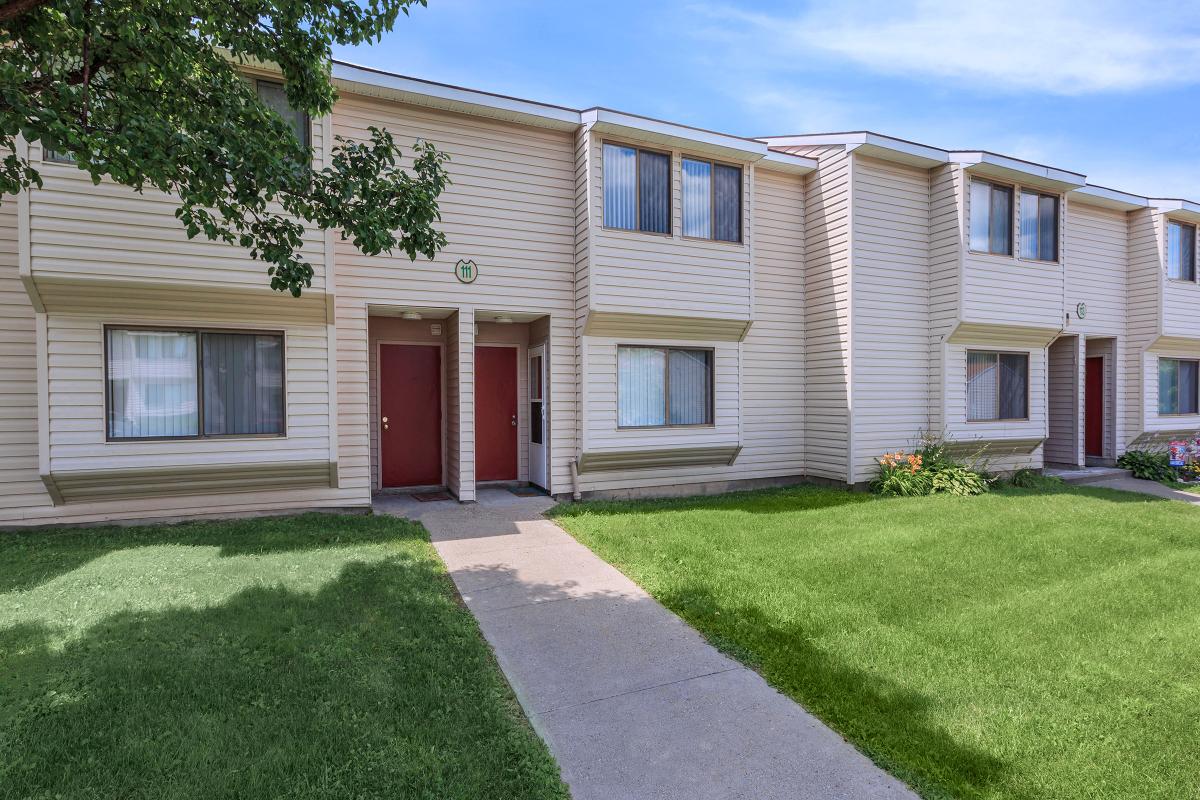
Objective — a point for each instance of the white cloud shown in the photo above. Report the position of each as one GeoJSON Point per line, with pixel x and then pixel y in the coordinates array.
{"type": "Point", "coordinates": [1057, 46]}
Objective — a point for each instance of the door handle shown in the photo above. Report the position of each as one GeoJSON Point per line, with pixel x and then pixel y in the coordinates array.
{"type": "Point", "coordinates": [514, 420]}
{"type": "Point", "coordinates": [385, 425]}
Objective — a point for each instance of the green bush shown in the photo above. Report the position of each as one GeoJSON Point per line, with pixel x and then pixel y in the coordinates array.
{"type": "Point", "coordinates": [1032, 479]}
{"type": "Point", "coordinates": [927, 471]}
{"type": "Point", "coordinates": [901, 475]}
{"type": "Point", "coordinates": [1147, 466]}
{"type": "Point", "coordinates": [946, 478]}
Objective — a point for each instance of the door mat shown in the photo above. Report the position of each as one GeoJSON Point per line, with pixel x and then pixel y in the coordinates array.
{"type": "Point", "coordinates": [429, 497]}
{"type": "Point", "coordinates": [527, 491]}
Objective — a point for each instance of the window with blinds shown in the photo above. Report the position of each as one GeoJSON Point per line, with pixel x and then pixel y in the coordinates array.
{"type": "Point", "coordinates": [1039, 226]}
{"type": "Point", "coordinates": [664, 386]}
{"type": "Point", "coordinates": [991, 218]}
{"type": "Point", "coordinates": [712, 200]}
{"type": "Point", "coordinates": [1181, 251]}
{"type": "Point", "coordinates": [997, 386]}
{"type": "Point", "coordinates": [173, 384]}
{"type": "Point", "coordinates": [637, 189]}
{"type": "Point", "coordinates": [1178, 389]}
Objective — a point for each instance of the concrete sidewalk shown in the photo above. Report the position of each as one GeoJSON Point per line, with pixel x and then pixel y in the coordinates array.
{"type": "Point", "coordinates": [1147, 487]}
{"type": "Point", "coordinates": [632, 702]}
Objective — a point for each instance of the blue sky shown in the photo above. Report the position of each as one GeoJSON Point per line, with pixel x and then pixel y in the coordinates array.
{"type": "Point", "coordinates": [1098, 87]}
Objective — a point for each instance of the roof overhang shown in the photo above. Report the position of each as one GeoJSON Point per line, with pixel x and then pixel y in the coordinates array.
{"type": "Point", "coordinates": [1176, 208]}
{"type": "Point", "coordinates": [1027, 173]}
{"type": "Point", "coordinates": [694, 140]}
{"type": "Point", "coordinates": [402, 89]}
{"type": "Point", "coordinates": [1107, 198]}
{"type": "Point", "coordinates": [867, 143]}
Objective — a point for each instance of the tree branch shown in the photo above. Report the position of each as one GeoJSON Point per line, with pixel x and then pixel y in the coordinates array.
{"type": "Point", "coordinates": [15, 8]}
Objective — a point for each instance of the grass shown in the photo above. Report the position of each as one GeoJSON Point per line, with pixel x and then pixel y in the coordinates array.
{"type": "Point", "coordinates": [307, 657]}
{"type": "Point", "coordinates": [1022, 644]}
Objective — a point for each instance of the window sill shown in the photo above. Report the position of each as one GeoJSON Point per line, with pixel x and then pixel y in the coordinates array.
{"type": "Point", "coordinates": [994, 421]}
{"type": "Point", "coordinates": [256, 437]}
{"type": "Point", "coordinates": [636, 232]}
{"type": "Point", "coordinates": [699, 425]}
{"type": "Point", "coordinates": [721, 242]}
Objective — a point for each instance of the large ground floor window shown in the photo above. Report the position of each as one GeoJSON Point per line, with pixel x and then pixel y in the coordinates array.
{"type": "Point", "coordinates": [1177, 386]}
{"type": "Point", "coordinates": [997, 386]}
{"type": "Point", "coordinates": [167, 384]}
{"type": "Point", "coordinates": [664, 386]}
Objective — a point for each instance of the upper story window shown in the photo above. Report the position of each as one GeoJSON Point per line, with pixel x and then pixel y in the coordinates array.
{"type": "Point", "coordinates": [1039, 226]}
{"type": "Point", "coordinates": [712, 200]}
{"type": "Point", "coordinates": [1181, 251]}
{"type": "Point", "coordinates": [274, 96]}
{"type": "Point", "coordinates": [1178, 387]}
{"type": "Point", "coordinates": [664, 386]}
{"type": "Point", "coordinates": [991, 218]}
{"type": "Point", "coordinates": [997, 386]}
{"type": "Point", "coordinates": [637, 189]}
{"type": "Point", "coordinates": [174, 384]}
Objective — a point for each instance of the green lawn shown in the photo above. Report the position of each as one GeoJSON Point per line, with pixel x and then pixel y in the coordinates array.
{"type": "Point", "coordinates": [310, 657]}
{"type": "Point", "coordinates": [1017, 645]}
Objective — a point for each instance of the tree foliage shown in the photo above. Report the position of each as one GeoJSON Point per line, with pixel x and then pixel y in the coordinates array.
{"type": "Point", "coordinates": [151, 94]}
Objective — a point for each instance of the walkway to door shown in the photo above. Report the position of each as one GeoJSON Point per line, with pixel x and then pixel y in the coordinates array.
{"type": "Point", "coordinates": [632, 702]}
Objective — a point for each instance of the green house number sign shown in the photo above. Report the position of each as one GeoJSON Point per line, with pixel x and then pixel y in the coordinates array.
{"type": "Point", "coordinates": [466, 271]}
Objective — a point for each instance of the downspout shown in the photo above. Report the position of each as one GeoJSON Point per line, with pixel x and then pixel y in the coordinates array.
{"type": "Point", "coordinates": [576, 495]}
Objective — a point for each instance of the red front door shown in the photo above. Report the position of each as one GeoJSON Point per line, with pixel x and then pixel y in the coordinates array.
{"type": "Point", "coordinates": [410, 414]}
{"type": "Point", "coordinates": [495, 413]}
{"type": "Point", "coordinates": [1093, 416]}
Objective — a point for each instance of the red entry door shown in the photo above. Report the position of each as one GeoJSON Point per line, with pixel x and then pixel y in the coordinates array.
{"type": "Point", "coordinates": [410, 414]}
{"type": "Point", "coordinates": [1093, 415]}
{"type": "Point", "coordinates": [495, 413]}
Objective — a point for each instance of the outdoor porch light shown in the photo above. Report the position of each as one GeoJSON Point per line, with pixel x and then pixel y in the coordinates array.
{"type": "Point", "coordinates": [414, 315]}
{"type": "Point", "coordinates": [504, 320]}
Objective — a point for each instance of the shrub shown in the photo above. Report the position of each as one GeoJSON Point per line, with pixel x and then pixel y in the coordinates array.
{"type": "Point", "coordinates": [1147, 466]}
{"type": "Point", "coordinates": [900, 475]}
{"type": "Point", "coordinates": [1032, 479]}
{"type": "Point", "coordinates": [928, 471]}
{"type": "Point", "coordinates": [946, 478]}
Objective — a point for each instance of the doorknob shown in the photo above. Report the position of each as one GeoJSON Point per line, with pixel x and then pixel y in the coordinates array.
{"type": "Point", "coordinates": [385, 425]}
{"type": "Point", "coordinates": [514, 420]}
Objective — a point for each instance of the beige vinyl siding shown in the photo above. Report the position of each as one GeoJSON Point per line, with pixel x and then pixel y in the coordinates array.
{"type": "Point", "coordinates": [773, 397]}
{"type": "Point", "coordinates": [460, 368]}
{"type": "Point", "coordinates": [1180, 299]}
{"type": "Point", "coordinates": [511, 208]}
{"type": "Point", "coordinates": [1006, 290]}
{"type": "Point", "coordinates": [1099, 275]}
{"type": "Point", "coordinates": [1146, 276]}
{"type": "Point", "coordinates": [1065, 423]}
{"type": "Point", "coordinates": [1098, 253]}
{"type": "Point", "coordinates": [891, 310]}
{"type": "Point", "coordinates": [646, 273]}
{"type": "Point", "coordinates": [827, 312]}
{"type": "Point", "coordinates": [946, 206]}
{"type": "Point", "coordinates": [20, 486]}
{"type": "Point", "coordinates": [84, 231]}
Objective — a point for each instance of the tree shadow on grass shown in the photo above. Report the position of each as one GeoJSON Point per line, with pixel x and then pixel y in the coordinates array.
{"type": "Point", "coordinates": [376, 685]}
{"type": "Point", "coordinates": [786, 500]}
{"type": "Point", "coordinates": [29, 558]}
{"type": "Point", "coordinates": [892, 725]}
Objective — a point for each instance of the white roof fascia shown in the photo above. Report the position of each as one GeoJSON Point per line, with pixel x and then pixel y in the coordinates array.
{"type": "Point", "coordinates": [786, 162]}
{"type": "Point", "coordinates": [869, 143]}
{"type": "Point", "coordinates": [618, 123]}
{"type": "Point", "coordinates": [985, 163]}
{"type": "Point", "coordinates": [364, 80]}
{"type": "Point", "coordinates": [1177, 208]}
{"type": "Point", "coordinates": [1108, 198]}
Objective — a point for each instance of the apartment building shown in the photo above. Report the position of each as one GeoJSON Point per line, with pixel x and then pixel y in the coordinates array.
{"type": "Point", "coordinates": [625, 306]}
